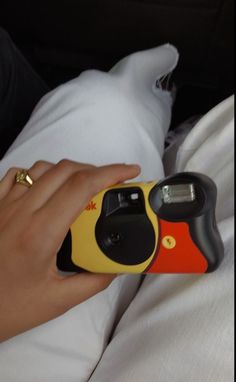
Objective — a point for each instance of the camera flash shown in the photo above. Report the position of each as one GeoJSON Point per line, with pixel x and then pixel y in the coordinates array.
{"type": "Point", "coordinates": [178, 193]}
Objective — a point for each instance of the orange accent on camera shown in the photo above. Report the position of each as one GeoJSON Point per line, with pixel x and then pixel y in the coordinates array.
{"type": "Point", "coordinates": [184, 257]}
{"type": "Point", "coordinates": [91, 206]}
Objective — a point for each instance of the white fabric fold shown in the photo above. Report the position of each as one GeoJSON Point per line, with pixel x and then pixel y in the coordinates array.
{"type": "Point", "coordinates": [97, 118]}
{"type": "Point", "coordinates": [181, 327]}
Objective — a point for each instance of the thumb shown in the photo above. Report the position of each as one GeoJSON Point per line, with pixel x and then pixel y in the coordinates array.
{"type": "Point", "coordinates": [72, 290]}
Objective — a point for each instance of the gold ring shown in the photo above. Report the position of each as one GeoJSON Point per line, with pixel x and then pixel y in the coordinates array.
{"type": "Point", "coordinates": [22, 177]}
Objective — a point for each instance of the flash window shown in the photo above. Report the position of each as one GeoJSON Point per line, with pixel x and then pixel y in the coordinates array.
{"type": "Point", "coordinates": [178, 193]}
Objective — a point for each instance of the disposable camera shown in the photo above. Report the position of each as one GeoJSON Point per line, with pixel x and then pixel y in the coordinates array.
{"type": "Point", "coordinates": [154, 227]}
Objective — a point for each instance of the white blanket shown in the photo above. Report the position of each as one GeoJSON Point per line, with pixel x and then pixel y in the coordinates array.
{"type": "Point", "coordinates": [181, 327]}
{"type": "Point", "coordinates": [177, 327]}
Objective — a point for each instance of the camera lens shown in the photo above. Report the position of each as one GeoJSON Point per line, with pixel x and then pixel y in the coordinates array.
{"type": "Point", "coordinates": [113, 239]}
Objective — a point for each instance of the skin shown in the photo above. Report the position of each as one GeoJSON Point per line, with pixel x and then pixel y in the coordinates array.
{"type": "Point", "coordinates": [33, 224]}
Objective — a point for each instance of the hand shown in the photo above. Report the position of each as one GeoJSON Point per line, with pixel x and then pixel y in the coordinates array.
{"type": "Point", "coordinates": [33, 224]}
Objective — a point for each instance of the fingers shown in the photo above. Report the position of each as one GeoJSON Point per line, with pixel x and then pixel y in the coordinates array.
{"type": "Point", "coordinates": [13, 190]}
{"type": "Point", "coordinates": [35, 172]}
{"type": "Point", "coordinates": [73, 196]}
{"type": "Point", "coordinates": [61, 192]}
{"type": "Point", "coordinates": [109, 175]}
{"type": "Point", "coordinates": [7, 182]}
{"type": "Point", "coordinates": [51, 181]}
{"type": "Point", "coordinates": [75, 289]}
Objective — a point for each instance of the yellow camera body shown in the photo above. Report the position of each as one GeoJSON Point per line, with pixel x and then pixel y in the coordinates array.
{"type": "Point", "coordinates": [154, 227]}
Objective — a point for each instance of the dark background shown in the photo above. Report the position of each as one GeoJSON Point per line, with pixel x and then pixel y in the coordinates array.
{"type": "Point", "coordinates": [61, 38]}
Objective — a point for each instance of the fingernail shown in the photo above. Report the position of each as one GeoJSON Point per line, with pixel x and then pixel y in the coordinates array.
{"type": "Point", "coordinates": [134, 165]}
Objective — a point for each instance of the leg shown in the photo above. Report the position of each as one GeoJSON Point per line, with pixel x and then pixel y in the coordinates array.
{"type": "Point", "coordinates": [20, 90]}
{"type": "Point", "coordinates": [180, 327]}
{"type": "Point", "coordinates": [98, 118]}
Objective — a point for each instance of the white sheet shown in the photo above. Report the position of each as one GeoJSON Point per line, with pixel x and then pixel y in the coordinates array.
{"type": "Point", "coordinates": [181, 327]}
{"type": "Point", "coordinates": [177, 328]}
{"type": "Point", "coordinates": [97, 118]}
